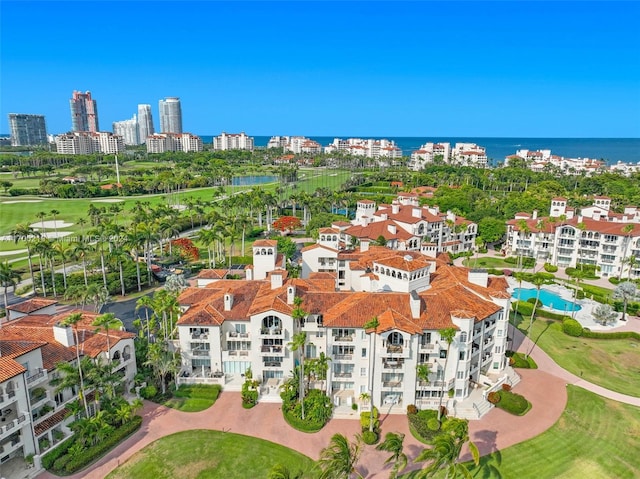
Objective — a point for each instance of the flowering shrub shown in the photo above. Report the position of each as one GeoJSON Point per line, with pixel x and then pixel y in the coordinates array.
{"type": "Point", "coordinates": [493, 397]}
{"type": "Point", "coordinates": [506, 387]}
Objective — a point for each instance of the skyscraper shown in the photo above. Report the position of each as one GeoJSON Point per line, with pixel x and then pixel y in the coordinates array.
{"type": "Point", "coordinates": [84, 112]}
{"type": "Point", "coordinates": [27, 130]}
{"type": "Point", "coordinates": [128, 130]}
{"type": "Point", "coordinates": [170, 115]}
{"type": "Point", "coordinates": [145, 123]}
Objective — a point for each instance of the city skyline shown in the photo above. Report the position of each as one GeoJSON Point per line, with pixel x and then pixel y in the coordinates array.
{"type": "Point", "coordinates": [476, 69]}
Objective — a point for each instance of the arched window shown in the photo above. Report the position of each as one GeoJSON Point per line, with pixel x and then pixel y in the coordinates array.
{"type": "Point", "coordinates": [421, 229]}
{"type": "Point", "coordinates": [463, 337]}
{"type": "Point", "coordinates": [405, 277]}
{"type": "Point", "coordinates": [335, 238]}
{"type": "Point", "coordinates": [116, 355]}
{"type": "Point", "coordinates": [271, 322]}
{"type": "Point", "coordinates": [395, 339]}
{"type": "Point", "coordinates": [270, 251]}
{"type": "Point", "coordinates": [264, 251]}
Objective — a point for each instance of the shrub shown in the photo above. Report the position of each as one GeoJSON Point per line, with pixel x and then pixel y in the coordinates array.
{"type": "Point", "coordinates": [365, 419]}
{"type": "Point", "coordinates": [506, 387]}
{"type": "Point", "coordinates": [495, 272]}
{"type": "Point", "coordinates": [433, 424]}
{"type": "Point", "coordinates": [370, 437]}
{"type": "Point", "coordinates": [149, 392]}
{"type": "Point", "coordinates": [572, 327]}
{"type": "Point", "coordinates": [51, 457]}
{"type": "Point", "coordinates": [493, 397]}
{"type": "Point", "coordinates": [524, 308]}
{"type": "Point", "coordinates": [586, 333]}
{"type": "Point", "coordinates": [512, 403]}
{"type": "Point", "coordinates": [412, 409]}
{"type": "Point", "coordinates": [550, 268]}
{"type": "Point", "coordinates": [354, 407]}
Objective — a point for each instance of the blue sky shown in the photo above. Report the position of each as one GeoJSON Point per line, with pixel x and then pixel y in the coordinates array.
{"type": "Point", "coordinates": [366, 68]}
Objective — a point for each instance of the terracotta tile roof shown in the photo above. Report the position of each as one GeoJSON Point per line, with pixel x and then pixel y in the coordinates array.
{"type": "Point", "coordinates": [51, 421]}
{"type": "Point", "coordinates": [367, 202]}
{"type": "Point", "coordinates": [213, 274]}
{"type": "Point", "coordinates": [407, 262]}
{"type": "Point", "coordinates": [341, 223]}
{"type": "Point", "coordinates": [316, 246]}
{"type": "Point", "coordinates": [32, 305]}
{"type": "Point", "coordinates": [18, 347]}
{"type": "Point", "coordinates": [393, 320]}
{"type": "Point", "coordinates": [328, 230]}
{"type": "Point", "coordinates": [9, 368]}
{"type": "Point", "coordinates": [265, 243]}
{"type": "Point", "coordinates": [379, 228]}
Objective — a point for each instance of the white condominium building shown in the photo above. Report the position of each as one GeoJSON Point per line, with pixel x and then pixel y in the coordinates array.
{"type": "Point", "coordinates": [542, 160]}
{"type": "Point", "coordinates": [86, 143]}
{"type": "Point", "coordinates": [145, 123]}
{"type": "Point", "coordinates": [233, 141]}
{"type": "Point", "coordinates": [595, 235]}
{"type": "Point", "coordinates": [370, 148]}
{"type": "Point", "coordinates": [295, 144]}
{"type": "Point", "coordinates": [468, 154]}
{"type": "Point", "coordinates": [128, 130]}
{"type": "Point", "coordinates": [34, 417]}
{"type": "Point", "coordinates": [229, 326]}
{"type": "Point", "coordinates": [163, 142]}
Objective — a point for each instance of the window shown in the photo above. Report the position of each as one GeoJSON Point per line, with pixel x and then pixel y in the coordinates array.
{"type": "Point", "coordinates": [363, 372]}
{"type": "Point", "coordinates": [463, 337]}
{"type": "Point", "coordinates": [496, 365]}
{"type": "Point", "coordinates": [500, 331]}
{"type": "Point", "coordinates": [364, 352]}
{"type": "Point", "coordinates": [460, 375]}
{"type": "Point", "coordinates": [461, 356]}
{"type": "Point", "coordinates": [443, 354]}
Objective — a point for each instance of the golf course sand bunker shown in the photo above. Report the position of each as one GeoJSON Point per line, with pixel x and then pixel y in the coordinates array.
{"type": "Point", "coordinates": [50, 224]}
{"type": "Point", "coordinates": [108, 200]}
{"type": "Point", "coordinates": [20, 201]}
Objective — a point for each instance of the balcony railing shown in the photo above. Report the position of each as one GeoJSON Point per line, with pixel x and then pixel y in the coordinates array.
{"type": "Point", "coordinates": [271, 332]}
{"type": "Point", "coordinates": [391, 384]}
{"type": "Point", "coordinates": [36, 376]}
{"type": "Point", "coordinates": [394, 349]}
{"type": "Point", "coordinates": [348, 338]}
{"type": "Point", "coordinates": [392, 364]}
{"type": "Point", "coordinates": [427, 346]}
{"type": "Point", "coordinates": [235, 336]}
{"type": "Point", "coordinates": [200, 337]}
{"type": "Point", "coordinates": [272, 350]}
{"type": "Point", "coordinates": [272, 364]}
{"type": "Point", "coordinates": [342, 375]}
{"type": "Point", "coordinates": [343, 357]}
{"type": "Point", "coordinates": [201, 352]}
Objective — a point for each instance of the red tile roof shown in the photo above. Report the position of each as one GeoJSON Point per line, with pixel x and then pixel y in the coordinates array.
{"type": "Point", "coordinates": [32, 305]}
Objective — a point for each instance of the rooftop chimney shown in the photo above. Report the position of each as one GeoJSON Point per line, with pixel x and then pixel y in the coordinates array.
{"type": "Point", "coordinates": [414, 303]}
{"type": "Point", "coordinates": [64, 335]}
{"type": "Point", "coordinates": [228, 301]}
{"type": "Point", "coordinates": [291, 294]}
{"type": "Point", "coordinates": [276, 279]}
{"type": "Point", "coordinates": [395, 208]}
{"type": "Point", "coordinates": [479, 277]}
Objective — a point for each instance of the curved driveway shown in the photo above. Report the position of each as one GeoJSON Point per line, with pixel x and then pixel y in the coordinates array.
{"type": "Point", "coordinates": [545, 388]}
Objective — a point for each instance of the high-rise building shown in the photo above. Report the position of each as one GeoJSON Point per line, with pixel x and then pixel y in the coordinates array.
{"type": "Point", "coordinates": [128, 130]}
{"type": "Point", "coordinates": [84, 112]}
{"type": "Point", "coordinates": [27, 130]}
{"type": "Point", "coordinates": [86, 143]}
{"type": "Point", "coordinates": [233, 141]}
{"type": "Point", "coordinates": [145, 123]}
{"type": "Point", "coordinates": [170, 115]}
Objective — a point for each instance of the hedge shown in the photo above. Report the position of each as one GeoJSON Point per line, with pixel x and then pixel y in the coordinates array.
{"type": "Point", "coordinates": [512, 403]}
{"type": "Point", "coordinates": [586, 333]}
{"type": "Point", "coordinates": [52, 456]}
{"type": "Point", "coordinates": [70, 464]}
{"type": "Point", "coordinates": [370, 437]}
{"type": "Point", "coordinates": [572, 327]}
{"type": "Point", "coordinates": [299, 424]}
{"type": "Point", "coordinates": [550, 268]}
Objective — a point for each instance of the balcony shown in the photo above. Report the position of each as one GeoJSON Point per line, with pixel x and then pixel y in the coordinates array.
{"type": "Point", "coordinates": [200, 352]}
{"type": "Point", "coordinates": [200, 337]}
{"type": "Point", "coordinates": [342, 339]}
{"type": "Point", "coordinates": [235, 336]}
{"type": "Point", "coordinates": [343, 357]}
{"type": "Point", "coordinates": [343, 375]}
{"type": "Point", "coordinates": [394, 349]}
{"type": "Point", "coordinates": [12, 423]}
{"type": "Point", "coordinates": [392, 364]}
{"type": "Point", "coordinates": [272, 364]}
{"type": "Point", "coordinates": [271, 332]}
{"type": "Point", "coordinates": [37, 376]}
{"type": "Point", "coordinates": [427, 346]}
{"type": "Point", "coordinates": [7, 398]}
{"type": "Point", "coordinates": [126, 357]}
{"type": "Point", "coordinates": [270, 350]}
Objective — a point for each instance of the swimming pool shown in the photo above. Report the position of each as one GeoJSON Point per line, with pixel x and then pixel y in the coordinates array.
{"type": "Point", "coordinates": [548, 298]}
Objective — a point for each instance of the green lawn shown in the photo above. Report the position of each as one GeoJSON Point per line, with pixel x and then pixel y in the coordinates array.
{"type": "Point", "coordinates": [594, 438]}
{"type": "Point", "coordinates": [611, 363]}
{"type": "Point", "coordinates": [210, 455]}
{"type": "Point", "coordinates": [194, 398]}
{"type": "Point", "coordinates": [489, 262]}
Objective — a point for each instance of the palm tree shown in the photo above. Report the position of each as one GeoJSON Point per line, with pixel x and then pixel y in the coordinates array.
{"type": "Point", "coordinates": [393, 443]}
{"type": "Point", "coordinates": [42, 245]}
{"type": "Point", "coordinates": [631, 261]}
{"type": "Point", "coordinates": [26, 233]}
{"type": "Point", "coordinates": [538, 280]}
{"type": "Point", "coordinates": [55, 214]}
{"type": "Point", "coordinates": [104, 321]}
{"type": "Point", "coordinates": [8, 279]}
{"type": "Point", "coordinates": [322, 366]}
{"type": "Point", "coordinates": [73, 320]}
{"type": "Point", "coordinates": [371, 326]}
{"type": "Point", "coordinates": [445, 453]}
{"type": "Point", "coordinates": [446, 334]}
{"type": "Point", "coordinates": [81, 249]}
{"type": "Point", "coordinates": [280, 471]}
{"type": "Point", "coordinates": [422, 373]}
{"type": "Point", "coordinates": [64, 251]}
{"type": "Point", "coordinates": [162, 362]}
{"type": "Point", "coordinates": [145, 302]}
{"type": "Point", "coordinates": [339, 459]}
{"type": "Point", "coordinates": [298, 344]}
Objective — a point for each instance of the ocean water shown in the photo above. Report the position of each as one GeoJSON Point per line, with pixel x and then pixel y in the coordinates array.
{"type": "Point", "coordinates": [611, 150]}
